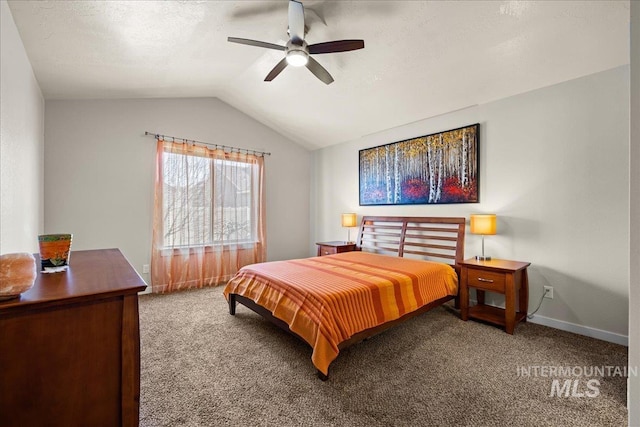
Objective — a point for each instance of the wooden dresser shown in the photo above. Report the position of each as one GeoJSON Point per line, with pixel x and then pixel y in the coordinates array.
{"type": "Point", "coordinates": [70, 346]}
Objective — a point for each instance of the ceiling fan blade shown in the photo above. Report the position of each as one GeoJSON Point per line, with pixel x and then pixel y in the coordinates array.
{"type": "Point", "coordinates": [319, 71]}
{"type": "Point", "coordinates": [256, 43]}
{"type": "Point", "coordinates": [276, 70]}
{"type": "Point", "coordinates": [336, 46]}
{"type": "Point", "coordinates": [296, 20]}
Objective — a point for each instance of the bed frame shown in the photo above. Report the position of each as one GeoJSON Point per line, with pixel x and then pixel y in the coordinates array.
{"type": "Point", "coordinates": [431, 238]}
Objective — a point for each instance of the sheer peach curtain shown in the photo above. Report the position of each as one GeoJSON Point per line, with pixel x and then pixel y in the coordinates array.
{"type": "Point", "coordinates": [209, 217]}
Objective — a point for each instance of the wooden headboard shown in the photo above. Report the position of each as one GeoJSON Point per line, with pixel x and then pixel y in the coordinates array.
{"type": "Point", "coordinates": [431, 238]}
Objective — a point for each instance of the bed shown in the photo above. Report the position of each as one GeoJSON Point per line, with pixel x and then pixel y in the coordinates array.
{"type": "Point", "coordinates": [403, 266]}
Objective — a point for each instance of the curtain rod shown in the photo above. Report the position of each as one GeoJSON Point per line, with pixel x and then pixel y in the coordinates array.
{"type": "Point", "coordinates": [174, 139]}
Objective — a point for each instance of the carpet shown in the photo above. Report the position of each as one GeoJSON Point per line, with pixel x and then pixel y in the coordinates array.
{"type": "Point", "coordinates": [202, 367]}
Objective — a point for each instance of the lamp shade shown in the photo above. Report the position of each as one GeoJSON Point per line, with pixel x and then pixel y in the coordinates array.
{"type": "Point", "coordinates": [484, 224]}
{"type": "Point", "coordinates": [349, 220]}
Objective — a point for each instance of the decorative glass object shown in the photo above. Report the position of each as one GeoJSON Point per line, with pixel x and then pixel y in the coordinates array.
{"type": "Point", "coordinates": [55, 250]}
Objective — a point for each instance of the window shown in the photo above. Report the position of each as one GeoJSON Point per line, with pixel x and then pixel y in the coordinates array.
{"type": "Point", "coordinates": [208, 201]}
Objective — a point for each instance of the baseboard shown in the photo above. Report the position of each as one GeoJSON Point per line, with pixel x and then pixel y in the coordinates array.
{"type": "Point", "coordinates": [147, 289]}
{"type": "Point", "coordinates": [581, 330]}
{"type": "Point", "coordinates": [575, 328]}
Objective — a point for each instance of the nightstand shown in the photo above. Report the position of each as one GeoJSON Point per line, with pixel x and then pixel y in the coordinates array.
{"type": "Point", "coordinates": [335, 247]}
{"type": "Point", "coordinates": [497, 275]}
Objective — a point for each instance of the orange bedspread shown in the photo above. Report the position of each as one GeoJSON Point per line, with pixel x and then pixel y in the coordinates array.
{"type": "Point", "coordinates": [328, 299]}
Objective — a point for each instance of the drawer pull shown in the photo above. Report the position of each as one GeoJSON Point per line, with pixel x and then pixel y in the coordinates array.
{"type": "Point", "coordinates": [480, 279]}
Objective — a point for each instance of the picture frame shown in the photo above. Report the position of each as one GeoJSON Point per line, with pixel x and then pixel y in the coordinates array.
{"type": "Point", "coordinates": [440, 168]}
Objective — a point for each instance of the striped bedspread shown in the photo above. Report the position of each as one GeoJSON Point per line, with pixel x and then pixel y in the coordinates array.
{"type": "Point", "coordinates": [328, 299]}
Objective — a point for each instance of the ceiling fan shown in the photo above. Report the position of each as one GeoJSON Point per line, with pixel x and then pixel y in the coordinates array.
{"type": "Point", "coordinates": [297, 51]}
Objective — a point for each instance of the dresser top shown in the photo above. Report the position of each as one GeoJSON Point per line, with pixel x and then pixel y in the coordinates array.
{"type": "Point", "coordinates": [93, 274]}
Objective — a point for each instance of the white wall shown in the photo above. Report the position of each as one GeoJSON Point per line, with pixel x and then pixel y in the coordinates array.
{"type": "Point", "coordinates": [554, 168]}
{"type": "Point", "coordinates": [634, 288]}
{"type": "Point", "coordinates": [21, 144]}
{"type": "Point", "coordinates": [99, 170]}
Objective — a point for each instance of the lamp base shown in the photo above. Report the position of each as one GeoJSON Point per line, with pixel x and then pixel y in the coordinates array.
{"type": "Point", "coordinates": [483, 258]}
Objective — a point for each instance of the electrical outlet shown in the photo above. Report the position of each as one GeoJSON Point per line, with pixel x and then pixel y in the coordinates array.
{"type": "Point", "coordinates": [548, 292]}
{"type": "Point", "coordinates": [145, 268]}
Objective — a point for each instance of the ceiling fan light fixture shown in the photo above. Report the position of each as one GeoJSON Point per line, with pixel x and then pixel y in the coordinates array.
{"type": "Point", "coordinates": [297, 58]}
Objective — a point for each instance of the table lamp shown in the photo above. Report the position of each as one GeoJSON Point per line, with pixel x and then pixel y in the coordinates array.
{"type": "Point", "coordinates": [483, 224]}
{"type": "Point", "coordinates": [349, 220]}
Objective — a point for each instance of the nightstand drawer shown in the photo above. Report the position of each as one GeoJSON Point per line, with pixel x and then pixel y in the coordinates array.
{"type": "Point", "coordinates": [487, 280]}
{"type": "Point", "coordinates": [335, 247]}
{"type": "Point", "coordinates": [327, 250]}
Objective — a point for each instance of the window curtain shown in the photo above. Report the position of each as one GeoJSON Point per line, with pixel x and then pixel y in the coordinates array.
{"type": "Point", "coordinates": [209, 215]}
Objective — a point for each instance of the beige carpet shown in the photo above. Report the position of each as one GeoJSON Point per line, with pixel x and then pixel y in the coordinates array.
{"type": "Point", "coordinates": [203, 367]}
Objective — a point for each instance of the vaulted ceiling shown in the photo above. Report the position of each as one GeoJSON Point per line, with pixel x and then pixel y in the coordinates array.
{"type": "Point", "coordinates": [421, 58]}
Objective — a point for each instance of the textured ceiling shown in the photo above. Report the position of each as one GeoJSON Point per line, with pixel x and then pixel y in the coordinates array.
{"type": "Point", "coordinates": [421, 58]}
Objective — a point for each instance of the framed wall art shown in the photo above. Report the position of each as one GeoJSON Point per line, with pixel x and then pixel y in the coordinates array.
{"type": "Point", "coordinates": [433, 169]}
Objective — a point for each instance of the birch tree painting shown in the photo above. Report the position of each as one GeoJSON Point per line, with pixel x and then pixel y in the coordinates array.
{"type": "Point", "coordinates": [431, 169]}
